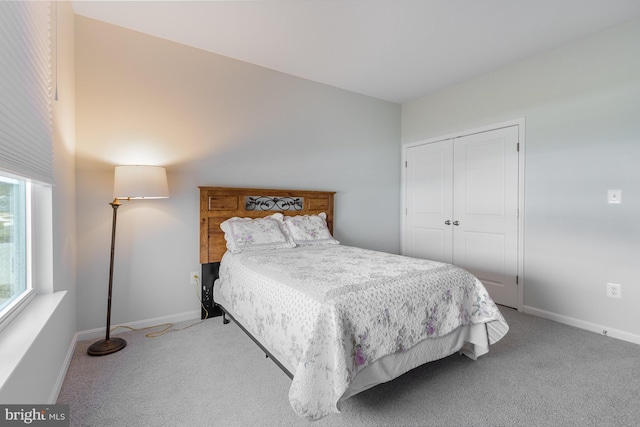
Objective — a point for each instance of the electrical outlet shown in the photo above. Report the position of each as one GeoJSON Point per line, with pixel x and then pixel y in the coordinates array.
{"type": "Point", "coordinates": [614, 290]}
{"type": "Point", "coordinates": [614, 196]}
{"type": "Point", "coordinates": [194, 276]}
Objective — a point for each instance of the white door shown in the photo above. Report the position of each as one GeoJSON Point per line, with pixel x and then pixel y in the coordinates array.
{"type": "Point", "coordinates": [485, 219]}
{"type": "Point", "coordinates": [429, 202]}
{"type": "Point", "coordinates": [461, 200]}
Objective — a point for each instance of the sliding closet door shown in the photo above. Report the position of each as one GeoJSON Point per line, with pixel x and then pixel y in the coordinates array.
{"type": "Point", "coordinates": [485, 200]}
{"type": "Point", "coordinates": [428, 201]}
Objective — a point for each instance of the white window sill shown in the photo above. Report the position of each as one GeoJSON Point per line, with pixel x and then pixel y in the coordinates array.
{"type": "Point", "coordinates": [19, 335]}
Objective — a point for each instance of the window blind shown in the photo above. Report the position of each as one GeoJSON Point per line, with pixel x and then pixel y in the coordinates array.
{"type": "Point", "coordinates": [25, 90]}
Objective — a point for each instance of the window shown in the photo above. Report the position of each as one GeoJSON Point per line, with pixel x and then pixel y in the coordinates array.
{"type": "Point", "coordinates": [26, 160]}
{"type": "Point", "coordinates": [15, 261]}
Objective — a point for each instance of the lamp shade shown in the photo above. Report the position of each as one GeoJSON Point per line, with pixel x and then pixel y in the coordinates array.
{"type": "Point", "coordinates": [140, 182]}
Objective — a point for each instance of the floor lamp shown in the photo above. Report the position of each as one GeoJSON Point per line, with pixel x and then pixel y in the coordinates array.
{"type": "Point", "coordinates": [130, 182]}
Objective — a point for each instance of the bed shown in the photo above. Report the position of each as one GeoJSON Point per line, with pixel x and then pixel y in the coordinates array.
{"type": "Point", "coordinates": [337, 319]}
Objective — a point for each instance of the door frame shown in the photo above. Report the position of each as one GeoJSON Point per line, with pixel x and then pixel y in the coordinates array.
{"type": "Point", "coordinates": [520, 122]}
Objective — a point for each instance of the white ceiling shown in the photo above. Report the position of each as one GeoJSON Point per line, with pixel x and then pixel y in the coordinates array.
{"type": "Point", "coordinates": [396, 50]}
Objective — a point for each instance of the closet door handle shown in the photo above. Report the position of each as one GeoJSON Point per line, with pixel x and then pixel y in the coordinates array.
{"type": "Point", "coordinates": [447, 222]}
{"type": "Point", "coordinates": [456, 223]}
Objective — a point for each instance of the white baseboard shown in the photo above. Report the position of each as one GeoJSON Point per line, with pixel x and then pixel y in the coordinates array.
{"type": "Point", "coordinates": [63, 370]}
{"type": "Point", "coordinates": [593, 327]}
{"type": "Point", "coordinates": [139, 324]}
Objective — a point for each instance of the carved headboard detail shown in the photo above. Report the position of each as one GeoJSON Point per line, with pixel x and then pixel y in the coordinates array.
{"type": "Point", "coordinates": [218, 204]}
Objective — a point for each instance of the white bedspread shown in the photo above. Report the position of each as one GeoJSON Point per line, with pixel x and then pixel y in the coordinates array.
{"type": "Point", "coordinates": [330, 311]}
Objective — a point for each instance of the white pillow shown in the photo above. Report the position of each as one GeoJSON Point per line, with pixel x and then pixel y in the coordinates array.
{"type": "Point", "coordinates": [309, 230]}
{"type": "Point", "coordinates": [250, 234]}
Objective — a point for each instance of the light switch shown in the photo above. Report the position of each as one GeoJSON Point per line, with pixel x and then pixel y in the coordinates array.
{"type": "Point", "coordinates": [614, 196]}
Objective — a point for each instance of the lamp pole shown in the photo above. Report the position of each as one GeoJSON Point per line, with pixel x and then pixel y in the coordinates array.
{"type": "Point", "coordinates": [129, 183]}
{"type": "Point", "coordinates": [108, 345]}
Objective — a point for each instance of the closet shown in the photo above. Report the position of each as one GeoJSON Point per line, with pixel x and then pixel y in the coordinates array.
{"type": "Point", "coordinates": [461, 199]}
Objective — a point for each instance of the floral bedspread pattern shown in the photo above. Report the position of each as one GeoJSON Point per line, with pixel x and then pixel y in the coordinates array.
{"type": "Point", "coordinates": [332, 310]}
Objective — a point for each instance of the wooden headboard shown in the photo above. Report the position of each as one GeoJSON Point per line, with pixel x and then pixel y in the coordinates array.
{"type": "Point", "coordinates": [220, 203]}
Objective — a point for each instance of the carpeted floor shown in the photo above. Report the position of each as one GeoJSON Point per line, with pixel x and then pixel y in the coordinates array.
{"type": "Point", "coordinates": [541, 374]}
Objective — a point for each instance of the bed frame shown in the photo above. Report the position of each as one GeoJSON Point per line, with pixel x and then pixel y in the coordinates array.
{"type": "Point", "coordinates": [218, 204]}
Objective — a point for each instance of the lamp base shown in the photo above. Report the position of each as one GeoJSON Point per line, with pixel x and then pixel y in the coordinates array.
{"type": "Point", "coordinates": [104, 347]}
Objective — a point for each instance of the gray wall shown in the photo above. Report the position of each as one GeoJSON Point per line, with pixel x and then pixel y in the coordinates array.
{"type": "Point", "coordinates": [213, 121]}
{"type": "Point", "coordinates": [581, 103]}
